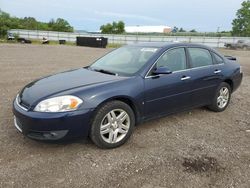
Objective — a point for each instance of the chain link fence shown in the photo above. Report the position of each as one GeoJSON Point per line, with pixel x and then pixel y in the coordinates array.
{"type": "Point", "coordinates": [125, 39]}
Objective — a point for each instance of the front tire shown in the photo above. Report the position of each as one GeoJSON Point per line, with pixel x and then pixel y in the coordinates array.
{"type": "Point", "coordinates": [222, 98]}
{"type": "Point", "coordinates": [112, 125]}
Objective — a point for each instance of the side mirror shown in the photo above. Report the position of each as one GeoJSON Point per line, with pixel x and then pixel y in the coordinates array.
{"type": "Point", "coordinates": [162, 70]}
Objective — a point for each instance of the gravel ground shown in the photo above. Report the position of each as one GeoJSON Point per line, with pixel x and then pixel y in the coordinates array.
{"type": "Point", "coordinates": [198, 148]}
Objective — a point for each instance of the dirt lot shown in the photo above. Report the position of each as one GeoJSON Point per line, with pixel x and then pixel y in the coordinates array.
{"type": "Point", "coordinates": [192, 149]}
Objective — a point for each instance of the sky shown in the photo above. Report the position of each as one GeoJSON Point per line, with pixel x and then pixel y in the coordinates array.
{"type": "Point", "coordinates": [202, 15]}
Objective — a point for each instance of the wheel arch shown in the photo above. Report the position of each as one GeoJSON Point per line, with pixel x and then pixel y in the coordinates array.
{"type": "Point", "coordinates": [230, 83]}
{"type": "Point", "coordinates": [126, 100]}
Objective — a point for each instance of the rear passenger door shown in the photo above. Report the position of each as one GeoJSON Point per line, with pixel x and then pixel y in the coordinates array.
{"type": "Point", "coordinates": [206, 75]}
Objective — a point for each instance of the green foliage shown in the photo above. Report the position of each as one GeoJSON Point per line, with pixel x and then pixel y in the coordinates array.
{"type": "Point", "coordinates": [60, 25]}
{"type": "Point", "coordinates": [193, 31]}
{"type": "Point", "coordinates": [182, 30]}
{"type": "Point", "coordinates": [7, 22]}
{"type": "Point", "coordinates": [107, 29]}
{"type": "Point", "coordinates": [241, 24]}
{"type": "Point", "coordinates": [114, 28]}
{"type": "Point", "coordinates": [175, 29]}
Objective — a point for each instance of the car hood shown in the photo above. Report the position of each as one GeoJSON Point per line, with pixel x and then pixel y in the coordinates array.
{"type": "Point", "coordinates": [54, 84]}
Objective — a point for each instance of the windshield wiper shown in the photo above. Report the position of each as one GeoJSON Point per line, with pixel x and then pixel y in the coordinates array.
{"type": "Point", "coordinates": [105, 71]}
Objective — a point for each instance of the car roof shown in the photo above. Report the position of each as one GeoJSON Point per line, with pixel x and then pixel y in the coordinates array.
{"type": "Point", "coordinates": [167, 44]}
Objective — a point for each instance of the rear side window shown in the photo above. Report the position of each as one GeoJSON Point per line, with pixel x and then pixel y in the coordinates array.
{"type": "Point", "coordinates": [174, 60]}
{"type": "Point", "coordinates": [200, 57]}
{"type": "Point", "coordinates": [217, 59]}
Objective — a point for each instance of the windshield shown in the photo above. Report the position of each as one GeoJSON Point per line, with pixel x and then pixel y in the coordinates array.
{"type": "Point", "coordinates": [125, 61]}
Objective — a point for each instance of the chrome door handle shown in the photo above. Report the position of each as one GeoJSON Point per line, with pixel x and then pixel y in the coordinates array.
{"type": "Point", "coordinates": [185, 78]}
{"type": "Point", "coordinates": [217, 71]}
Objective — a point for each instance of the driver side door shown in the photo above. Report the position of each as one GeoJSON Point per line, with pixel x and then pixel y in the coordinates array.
{"type": "Point", "coordinates": [168, 93]}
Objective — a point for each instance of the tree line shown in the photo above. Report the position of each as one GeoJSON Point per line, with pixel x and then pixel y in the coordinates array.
{"type": "Point", "coordinates": [240, 25]}
{"type": "Point", "coordinates": [114, 28]}
{"type": "Point", "coordinates": [8, 22]}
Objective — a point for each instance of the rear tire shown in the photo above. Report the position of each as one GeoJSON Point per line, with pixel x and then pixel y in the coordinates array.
{"type": "Point", "coordinates": [221, 98]}
{"type": "Point", "coordinates": [112, 125]}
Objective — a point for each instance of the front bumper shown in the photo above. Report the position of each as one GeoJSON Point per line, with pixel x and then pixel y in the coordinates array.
{"type": "Point", "coordinates": [52, 126]}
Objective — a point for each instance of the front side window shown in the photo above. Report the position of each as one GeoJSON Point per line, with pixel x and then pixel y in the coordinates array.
{"type": "Point", "coordinates": [200, 57]}
{"type": "Point", "coordinates": [174, 60]}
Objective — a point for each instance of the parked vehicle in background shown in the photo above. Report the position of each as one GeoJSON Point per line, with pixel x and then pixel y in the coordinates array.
{"type": "Point", "coordinates": [23, 40]}
{"type": "Point", "coordinates": [243, 44]}
{"type": "Point", "coordinates": [45, 41]}
{"type": "Point", "coordinates": [13, 37]}
{"type": "Point", "coordinates": [10, 36]}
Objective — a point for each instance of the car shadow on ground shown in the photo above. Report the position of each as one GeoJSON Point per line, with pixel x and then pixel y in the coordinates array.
{"type": "Point", "coordinates": [140, 127]}
{"type": "Point", "coordinates": [153, 123]}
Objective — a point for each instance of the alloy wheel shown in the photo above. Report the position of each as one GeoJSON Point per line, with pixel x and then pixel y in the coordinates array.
{"type": "Point", "coordinates": [115, 126]}
{"type": "Point", "coordinates": [223, 97]}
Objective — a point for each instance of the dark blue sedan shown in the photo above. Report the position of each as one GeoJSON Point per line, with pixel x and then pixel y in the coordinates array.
{"type": "Point", "coordinates": [131, 84]}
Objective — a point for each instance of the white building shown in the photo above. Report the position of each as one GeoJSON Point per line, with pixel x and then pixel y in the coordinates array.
{"type": "Point", "coordinates": [148, 29]}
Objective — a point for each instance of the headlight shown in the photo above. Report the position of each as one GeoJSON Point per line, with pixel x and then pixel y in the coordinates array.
{"type": "Point", "coordinates": [59, 104]}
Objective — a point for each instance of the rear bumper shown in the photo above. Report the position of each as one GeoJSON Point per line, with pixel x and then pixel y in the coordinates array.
{"type": "Point", "coordinates": [52, 126]}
